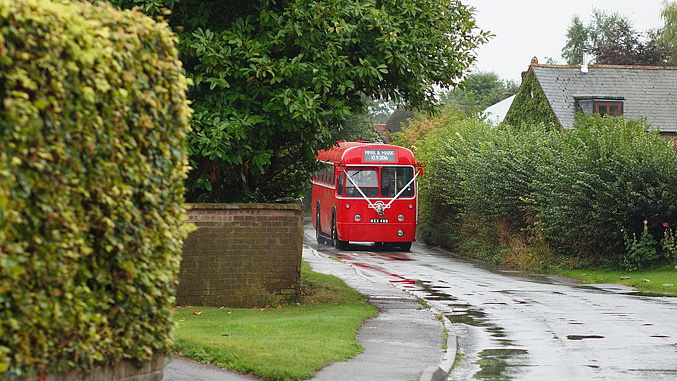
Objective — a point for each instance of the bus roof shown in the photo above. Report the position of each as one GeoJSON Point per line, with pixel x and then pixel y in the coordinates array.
{"type": "Point", "coordinates": [366, 153]}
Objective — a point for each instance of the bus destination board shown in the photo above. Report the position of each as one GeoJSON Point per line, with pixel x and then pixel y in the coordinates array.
{"type": "Point", "coordinates": [380, 155]}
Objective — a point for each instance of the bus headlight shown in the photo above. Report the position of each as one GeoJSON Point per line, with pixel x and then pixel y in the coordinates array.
{"type": "Point", "coordinates": [358, 217]}
{"type": "Point", "coordinates": [400, 233]}
{"type": "Point", "coordinates": [400, 218]}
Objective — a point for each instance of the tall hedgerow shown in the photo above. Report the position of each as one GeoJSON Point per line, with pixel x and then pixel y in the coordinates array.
{"type": "Point", "coordinates": [581, 194]}
{"type": "Point", "coordinates": [605, 178]}
{"type": "Point", "coordinates": [93, 119]}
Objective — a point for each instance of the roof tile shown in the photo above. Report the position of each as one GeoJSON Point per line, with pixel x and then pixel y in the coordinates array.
{"type": "Point", "coordinates": [649, 92]}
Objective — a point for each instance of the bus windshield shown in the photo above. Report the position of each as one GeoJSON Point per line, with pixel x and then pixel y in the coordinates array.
{"type": "Point", "coordinates": [366, 179]}
{"type": "Point", "coordinates": [392, 180]}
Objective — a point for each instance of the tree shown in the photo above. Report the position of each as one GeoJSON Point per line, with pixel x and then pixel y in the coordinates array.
{"type": "Point", "coordinates": [668, 34]}
{"type": "Point", "coordinates": [273, 78]}
{"type": "Point", "coordinates": [380, 110]}
{"type": "Point", "coordinates": [356, 127]}
{"type": "Point", "coordinates": [479, 91]}
{"type": "Point", "coordinates": [577, 42]}
{"type": "Point", "coordinates": [612, 40]}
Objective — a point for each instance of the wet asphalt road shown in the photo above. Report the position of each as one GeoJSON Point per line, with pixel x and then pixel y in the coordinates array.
{"type": "Point", "coordinates": [512, 325]}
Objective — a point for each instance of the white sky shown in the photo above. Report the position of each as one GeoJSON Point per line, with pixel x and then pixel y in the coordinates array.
{"type": "Point", "coordinates": [527, 28]}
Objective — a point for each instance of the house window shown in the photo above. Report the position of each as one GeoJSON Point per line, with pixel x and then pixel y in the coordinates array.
{"type": "Point", "coordinates": [599, 104]}
{"type": "Point", "coordinates": [609, 108]}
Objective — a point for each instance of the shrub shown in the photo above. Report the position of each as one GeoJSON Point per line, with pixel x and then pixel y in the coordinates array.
{"type": "Point", "coordinates": [440, 207]}
{"type": "Point", "coordinates": [639, 254]}
{"type": "Point", "coordinates": [567, 193]}
{"type": "Point", "coordinates": [669, 244]}
{"type": "Point", "coordinates": [93, 118]}
{"type": "Point", "coordinates": [478, 172]}
{"type": "Point", "coordinates": [608, 175]}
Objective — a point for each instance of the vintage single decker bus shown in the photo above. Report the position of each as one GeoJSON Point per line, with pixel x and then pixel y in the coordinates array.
{"type": "Point", "coordinates": [366, 192]}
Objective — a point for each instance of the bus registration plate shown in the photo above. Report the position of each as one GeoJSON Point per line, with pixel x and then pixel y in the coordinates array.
{"type": "Point", "coordinates": [379, 220]}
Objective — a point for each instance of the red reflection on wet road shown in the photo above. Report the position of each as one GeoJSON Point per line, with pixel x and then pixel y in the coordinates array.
{"type": "Point", "coordinates": [392, 256]}
{"type": "Point", "coordinates": [400, 279]}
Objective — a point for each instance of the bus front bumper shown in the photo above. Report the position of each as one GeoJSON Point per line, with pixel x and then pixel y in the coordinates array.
{"type": "Point", "coordinates": [376, 232]}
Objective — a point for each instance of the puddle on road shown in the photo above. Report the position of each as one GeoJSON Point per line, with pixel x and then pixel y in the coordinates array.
{"type": "Point", "coordinates": [471, 317]}
{"type": "Point", "coordinates": [500, 363]}
{"type": "Point", "coordinates": [583, 337]}
{"type": "Point", "coordinates": [497, 363]}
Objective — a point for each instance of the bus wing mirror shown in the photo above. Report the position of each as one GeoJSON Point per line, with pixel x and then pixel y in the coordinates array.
{"type": "Point", "coordinates": [419, 168]}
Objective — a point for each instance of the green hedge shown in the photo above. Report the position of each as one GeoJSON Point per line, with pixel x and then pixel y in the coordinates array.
{"type": "Point", "coordinates": [93, 118]}
{"type": "Point", "coordinates": [586, 192]}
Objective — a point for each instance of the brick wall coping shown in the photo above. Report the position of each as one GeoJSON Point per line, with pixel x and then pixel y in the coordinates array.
{"type": "Point", "coordinates": [218, 206]}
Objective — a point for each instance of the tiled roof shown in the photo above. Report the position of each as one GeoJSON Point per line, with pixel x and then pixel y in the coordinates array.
{"type": "Point", "coordinates": [647, 92]}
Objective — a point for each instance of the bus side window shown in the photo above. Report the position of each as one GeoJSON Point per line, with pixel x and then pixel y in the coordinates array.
{"type": "Point", "coordinates": [340, 185]}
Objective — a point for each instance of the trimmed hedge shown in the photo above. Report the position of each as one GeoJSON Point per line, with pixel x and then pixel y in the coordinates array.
{"type": "Point", "coordinates": [93, 118]}
{"type": "Point", "coordinates": [583, 193]}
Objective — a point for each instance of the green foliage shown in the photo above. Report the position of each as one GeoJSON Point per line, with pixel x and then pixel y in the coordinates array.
{"type": "Point", "coordinates": [93, 121]}
{"type": "Point", "coordinates": [613, 40]}
{"type": "Point", "coordinates": [639, 254]}
{"type": "Point", "coordinates": [479, 91]}
{"type": "Point", "coordinates": [578, 40]}
{"type": "Point", "coordinates": [573, 191]}
{"type": "Point", "coordinates": [611, 175]}
{"type": "Point", "coordinates": [440, 186]}
{"type": "Point", "coordinates": [273, 79]}
{"type": "Point", "coordinates": [530, 106]}
{"type": "Point", "coordinates": [602, 30]}
{"type": "Point", "coordinates": [380, 110]}
{"type": "Point", "coordinates": [668, 34]}
{"type": "Point", "coordinates": [421, 126]}
{"type": "Point", "coordinates": [356, 127]}
{"type": "Point", "coordinates": [659, 281]}
{"type": "Point", "coordinates": [669, 244]}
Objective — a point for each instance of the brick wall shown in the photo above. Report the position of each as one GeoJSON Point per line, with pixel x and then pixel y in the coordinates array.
{"type": "Point", "coordinates": [241, 255]}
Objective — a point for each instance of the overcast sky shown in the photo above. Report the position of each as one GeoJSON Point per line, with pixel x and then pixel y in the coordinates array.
{"type": "Point", "coordinates": [527, 28]}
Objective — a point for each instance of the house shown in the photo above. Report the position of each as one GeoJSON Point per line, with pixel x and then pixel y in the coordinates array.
{"type": "Point", "coordinates": [553, 94]}
{"type": "Point", "coordinates": [383, 132]}
{"type": "Point", "coordinates": [400, 117]}
{"type": "Point", "coordinates": [497, 112]}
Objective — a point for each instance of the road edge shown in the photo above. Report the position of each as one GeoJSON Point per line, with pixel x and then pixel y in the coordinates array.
{"type": "Point", "coordinates": [441, 371]}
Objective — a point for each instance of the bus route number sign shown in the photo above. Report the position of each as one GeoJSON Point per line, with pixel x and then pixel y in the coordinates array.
{"type": "Point", "coordinates": [382, 155]}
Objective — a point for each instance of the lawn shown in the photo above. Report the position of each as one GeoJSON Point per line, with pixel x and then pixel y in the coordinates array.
{"type": "Point", "coordinates": [662, 281]}
{"type": "Point", "coordinates": [287, 342]}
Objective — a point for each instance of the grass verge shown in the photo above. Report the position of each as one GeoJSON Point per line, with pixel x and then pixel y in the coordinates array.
{"type": "Point", "coordinates": [288, 342]}
{"type": "Point", "coordinates": [662, 281]}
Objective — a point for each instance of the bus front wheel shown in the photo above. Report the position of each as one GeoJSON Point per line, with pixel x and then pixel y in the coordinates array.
{"type": "Point", "coordinates": [318, 231]}
{"type": "Point", "coordinates": [335, 241]}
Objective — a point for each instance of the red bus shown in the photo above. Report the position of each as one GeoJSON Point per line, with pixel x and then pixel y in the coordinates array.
{"type": "Point", "coordinates": [365, 192]}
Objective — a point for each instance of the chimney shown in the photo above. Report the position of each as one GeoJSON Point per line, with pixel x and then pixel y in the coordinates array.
{"type": "Point", "coordinates": [534, 62]}
{"type": "Point", "coordinates": [584, 64]}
